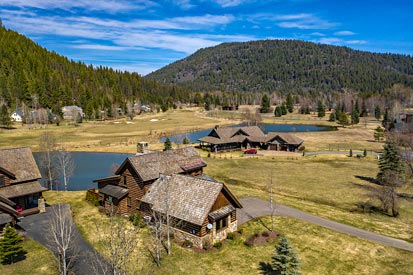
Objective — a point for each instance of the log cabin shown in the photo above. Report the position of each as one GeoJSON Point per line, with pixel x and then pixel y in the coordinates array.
{"type": "Point", "coordinates": [201, 211]}
{"type": "Point", "coordinates": [122, 193]}
{"type": "Point", "coordinates": [236, 138]}
{"type": "Point", "coordinates": [8, 213]}
{"type": "Point", "coordinates": [19, 177]}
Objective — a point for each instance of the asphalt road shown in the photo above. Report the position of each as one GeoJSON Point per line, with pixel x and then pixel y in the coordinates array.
{"type": "Point", "coordinates": [254, 207]}
{"type": "Point", "coordinates": [37, 227]}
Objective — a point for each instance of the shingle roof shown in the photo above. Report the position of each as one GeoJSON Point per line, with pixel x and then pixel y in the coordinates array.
{"type": "Point", "coordinates": [235, 135]}
{"type": "Point", "coordinates": [114, 191]}
{"type": "Point", "coordinates": [21, 163]}
{"type": "Point", "coordinates": [222, 212]}
{"type": "Point", "coordinates": [21, 189]}
{"type": "Point", "coordinates": [189, 199]}
{"type": "Point", "coordinates": [286, 137]}
{"type": "Point", "coordinates": [150, 166]}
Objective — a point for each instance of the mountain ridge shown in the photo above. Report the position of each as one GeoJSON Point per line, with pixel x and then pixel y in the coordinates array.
{"type": "Point", "coordinates": [285, 65]}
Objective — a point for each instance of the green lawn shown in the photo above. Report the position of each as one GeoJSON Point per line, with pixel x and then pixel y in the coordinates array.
{"type": "Point", "coordinates": [38, 260]}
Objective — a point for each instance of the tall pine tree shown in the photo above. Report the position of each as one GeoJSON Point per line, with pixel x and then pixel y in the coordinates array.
{"type": "Point", "coordinates": [390, 161]}
{"type": "Point", "coordinates": [11, 248]}
{"type": "Point", "coordinates": [285, 260]}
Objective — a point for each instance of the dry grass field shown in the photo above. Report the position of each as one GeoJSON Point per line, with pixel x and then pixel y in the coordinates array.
{"type": "Point", "coordinates": [331, 186]}
{"type": "Point", "coordinates": [321, 251]}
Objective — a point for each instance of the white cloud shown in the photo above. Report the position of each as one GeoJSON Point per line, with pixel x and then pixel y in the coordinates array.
{"type": "Point", "coordinates": [356, 42]}
{"type": "Point", "coordinates": [317, 34]}
{"type": "Point", "coordinates": [228, 3]}
{"type": "Point", "coordinates": [298, 21]}
{"type": "Point", "coordinates": [184, 4]}
{"type": "Point", "coordinates": [110, 6]}
{"type": "Point", "coordinates": [344, 33]}
{"type": "Point", "coordinates": [105, 47]}
{"type": "Point", "coordinates": [330, 40]}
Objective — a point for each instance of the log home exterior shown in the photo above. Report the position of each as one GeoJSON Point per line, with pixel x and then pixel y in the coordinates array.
{"type": "Point", "coordinates": [19, 177]}
{"type": "Point", "coordinates": [123, 191]}
{"type": "Point", "coordinates": [8, 213]}
{"type": "Point", "coordinates": [236, 138]}
{"type": "Point", "coordinates": [202, 211]}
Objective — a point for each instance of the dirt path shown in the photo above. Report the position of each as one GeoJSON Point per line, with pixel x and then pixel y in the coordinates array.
{"type": "Point", "coordinates": [254, 207]}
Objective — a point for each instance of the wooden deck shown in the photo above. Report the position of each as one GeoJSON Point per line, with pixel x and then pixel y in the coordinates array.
{"type": "Point", "coordinates": [30, 211]}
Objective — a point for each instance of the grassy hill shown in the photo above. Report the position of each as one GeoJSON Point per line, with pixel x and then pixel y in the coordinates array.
{"type": "Point", "coordinates": [287, 65]}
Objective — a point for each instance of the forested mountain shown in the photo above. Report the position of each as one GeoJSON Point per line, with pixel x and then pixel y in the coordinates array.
{"type": "Point", "coordinates": [32, 75]}
{"type": "Point", "coordinates": [287, 66]}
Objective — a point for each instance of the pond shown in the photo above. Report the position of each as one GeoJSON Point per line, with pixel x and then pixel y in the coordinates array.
{"type": "Point", "coordinates": [88, 167]}
{"type": "Point", "coordinates": [194, 136]}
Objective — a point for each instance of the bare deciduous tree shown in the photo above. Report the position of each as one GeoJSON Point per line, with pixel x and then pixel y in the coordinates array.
{"type": "Point", "coordinates": [47, 147]}
{"type": "Point", "coordinates": [62, 238]}
{"type": "Point", "coordinates": [119, 240]}
{"type": "Point", "coordinates": [65, 166]}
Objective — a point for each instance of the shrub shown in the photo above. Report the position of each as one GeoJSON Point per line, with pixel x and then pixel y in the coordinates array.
{"type": "Point", "coordinates": [206, 244]}
{"type": "Point", "coordinates": [187, 243]}
{"type": "Point", "coordinates": [218, 245]}
{"type": "Point", "coordinates": [137, 220]}
{"type": "Point", "coordinates": [230, 236]}
{"type": "Point", "coordinates": [240, 231]}
{"type": "Point", "coordinates": [250, 241]}
{"type": "Point", "coordinates": [265, 234]}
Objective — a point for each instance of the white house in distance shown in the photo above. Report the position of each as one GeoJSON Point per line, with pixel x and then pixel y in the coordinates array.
{"type": "Point", "coordinates": [17, 116]}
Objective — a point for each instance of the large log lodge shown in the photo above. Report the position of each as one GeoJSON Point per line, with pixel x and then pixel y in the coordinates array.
{"type": "Point", "coordinates": [235, 138]}
{"type": "Point", "coordinates": [201, 208]}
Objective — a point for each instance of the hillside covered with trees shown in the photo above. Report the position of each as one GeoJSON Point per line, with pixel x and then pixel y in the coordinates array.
{"type": "Point", "coordinates": [288, 66]}
{"type": "Point", "coordinates": [32, 76]}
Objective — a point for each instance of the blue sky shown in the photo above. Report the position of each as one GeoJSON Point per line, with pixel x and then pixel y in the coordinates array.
{"type": "Point", "coordinates": [145, 35]}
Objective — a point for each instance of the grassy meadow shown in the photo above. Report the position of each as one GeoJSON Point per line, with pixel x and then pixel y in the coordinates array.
{"type": "Point", "coordinates": [330, 186]}
{"type": "Point", "coordinates": [321, 251]}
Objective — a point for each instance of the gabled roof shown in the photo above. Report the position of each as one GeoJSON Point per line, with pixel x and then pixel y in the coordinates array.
{"type": "Point", "coordinates": [189, 199]}
{"type": "Point", "coordinates": [21, 163]}
{"type": "Point", "coordinates": [150, 166]}
{"type": "Point", "coordinates": [286, 137]}
{"type": "Point", "coordinates": [114, 191]}
{"type": "Point", "coordinates": [234, 135]}
{"type": "Point", "coordinates": [22, 189]}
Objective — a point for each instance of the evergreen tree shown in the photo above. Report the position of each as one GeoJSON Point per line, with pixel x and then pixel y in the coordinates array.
{"type": "Point", "coordinates": [290, 103]}
{"type": "Point", "coordinates": [350, 154]}
{"type": "Point", "coordinates": [377, 112]}
{"type": "Point", "coordinates": [5, 119]}
{"type": "Point", "coordinates": [390, 161]}
{"type": "Point", "coordinates": [364, 112]}
{"type": "Point", "coordinates": [283, 109]}
{"type": "Point", "coordinates": [285, 260]}
{"type": "Point", "coordinates": [355, 116]}
{"type": "Point", "coordinates": [321, 110]}
{"type": "Point", "coordinates": [365, 153]}
{"type": "Point", "coordinates": [278, 111]}
{"type": "Point", "coordinates": [343, 119]}
{"type": "Point", "coordinates": [167, 144]}
{"type": "Point", "coordinates": [186, 140]}
{"type": "Point", "coordinates": [378, 133]}
{"type": "Point", "coordinates": [332, 117]}
{"type": "Point", "coordinates": [265, 104]}
{"type": "Point", "coordinates": [11, 248]}
{"type": "Point", "coordinates": [307, 110]}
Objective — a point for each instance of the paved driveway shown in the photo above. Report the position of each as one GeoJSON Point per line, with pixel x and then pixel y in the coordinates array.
{"type": "Point", "coordinates": [254, 207]}
{"type": "Point", "coordinates": [37, 227]}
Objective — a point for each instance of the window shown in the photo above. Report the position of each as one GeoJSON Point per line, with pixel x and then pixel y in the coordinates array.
{"type": "Point", "coordinates": [129, 201]}
{"type": "Point", "coordinates": [2, 181]}
{"type": "Point", "coordinates": [109, 199]}
{"type": "Point", "coordinates": [221, 223]}
{"type": "Point", "coordinates": [138, 204]}
{"type": "Point", "coordinates": [124, 180]}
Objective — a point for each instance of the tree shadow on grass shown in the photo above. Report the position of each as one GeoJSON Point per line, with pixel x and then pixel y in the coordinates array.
{"type": "Point", "coordinates": [266, 269]}
{"type": "Point", "coordinates": [368, 179]}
